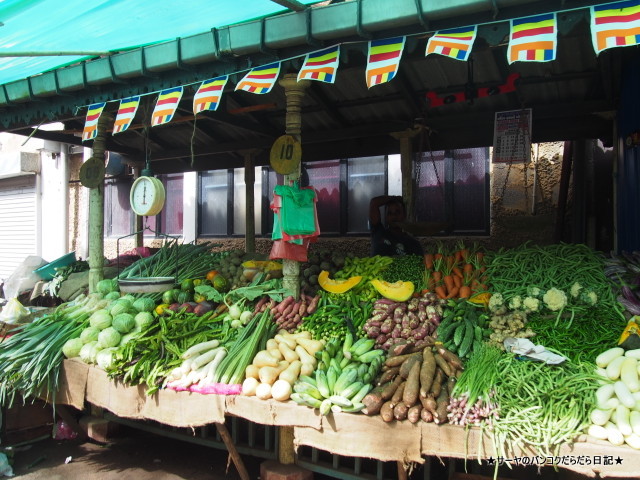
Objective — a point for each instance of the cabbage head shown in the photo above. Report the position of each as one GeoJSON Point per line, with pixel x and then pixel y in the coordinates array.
{"type": "Point", "coordinates": [89, 351]}
{"type": "Point", "coordinates": [123, 322]}
{"type": "Point", "coordinates": [109, 337]}
{"type": "Point", "coordinates": [107, 286]}
{"type": "Point", "coordinates": [105, 357]}
{"type": "Point", "coordinates": [122, 305]}
{"type": "Point", "coordinates": [100, 319]}
{"type": "Point", "coordinates": [144, 304]}
{"type": "Point", "coordinates": [89, 334]}
{"type": "Point", "coordinates": [143, 320]}
{"type": "Point", "coordinates": [71, 347]}
{"type": "Point", "coordinates": [112, 296]}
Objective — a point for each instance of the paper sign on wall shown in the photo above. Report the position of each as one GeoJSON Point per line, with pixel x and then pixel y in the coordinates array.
{"type": "Point", "coordinates": [512, 136]}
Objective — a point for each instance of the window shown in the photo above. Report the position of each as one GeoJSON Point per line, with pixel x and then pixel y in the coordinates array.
{"type": "Point", "coordinates": [170, 219]}
{"type": "Point", "coordinates": [118, 216]}
{"type": "Point", "coordinates": [453, 186]}
{"type": "Point", "coordinates": [215, 198]}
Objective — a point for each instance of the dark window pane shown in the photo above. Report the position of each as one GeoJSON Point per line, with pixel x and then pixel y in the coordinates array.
{"type": "Point", "coordinates": [325, 178]}
{"type": "Point", "coordinates": [214, 189]}
{"type": "Point", "coordinates": [171, 217]}
{"type": "Point", "coordinates": [117, 208]}
{"type": "Point", "coordinates": [469, 200]}
{"type": "Point", "coordinates": [365, 179]}
{"type": "Point", "coordinates": [430, 191]}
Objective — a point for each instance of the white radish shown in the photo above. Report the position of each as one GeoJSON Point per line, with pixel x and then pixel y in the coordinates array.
{"type": "Point", "coordinates": [629, 374]}
{"type": "Point", "coordinates": [606, 357]}
{"type": "Point", "coordinates": [614, 368]}
{"type": "Point", "coordinates": [623, 394]}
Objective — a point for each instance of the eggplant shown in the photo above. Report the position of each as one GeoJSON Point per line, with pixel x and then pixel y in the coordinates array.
{"type": "Point", "coordinates": [632, 307]}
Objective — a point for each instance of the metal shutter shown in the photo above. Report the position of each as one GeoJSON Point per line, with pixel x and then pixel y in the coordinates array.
{"type": "Point", "coordinates": [18, 228]}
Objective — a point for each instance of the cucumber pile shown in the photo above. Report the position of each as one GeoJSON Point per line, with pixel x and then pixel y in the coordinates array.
{"type": "Point", "coordinates": [462, 328]}
{"type": "Point", "coordinates": [343, 376]}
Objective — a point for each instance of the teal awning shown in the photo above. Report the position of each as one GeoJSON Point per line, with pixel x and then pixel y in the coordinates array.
{"type": "Point", "coordinates": [39, 32]}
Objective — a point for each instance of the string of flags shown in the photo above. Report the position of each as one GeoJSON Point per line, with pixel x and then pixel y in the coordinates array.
{"type": "Point", "coordinates": [531, 39]}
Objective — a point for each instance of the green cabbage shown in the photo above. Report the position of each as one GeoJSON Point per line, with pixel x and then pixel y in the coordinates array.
{"type": "Point", "coordinates": [123, 322]}
{"type": "Point", "coordinates": [89, 334]}
{"type": "Point", "coordinates": [112, 296]}
{"type": "Point", "coordinates": [89, 351]}
{"type": "Point", "coordinates": [144, 304]}
{"type": "Point", "coordinates": [143, 320]}
{"type": "Point", "coordinates": [71, 347]}
{"type": "Point", "coordinates": [107, 286]}
{"type": "Point", "coordinates": [100, 319]}
{"type": "Point", "coordinates": [129, 297]}
{"type": "Point", "coordinates": [122, 305]}
{"type": "Point", "coordinates": [109, 337]}
{"type": "Point", "coordinates": [105, 357]}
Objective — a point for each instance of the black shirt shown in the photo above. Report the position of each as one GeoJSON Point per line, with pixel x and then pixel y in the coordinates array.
{"type": "Point", "coordinates": [388, 243]}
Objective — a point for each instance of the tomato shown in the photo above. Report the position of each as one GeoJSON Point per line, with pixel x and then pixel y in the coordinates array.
{"type": "Point", "coordinates": [197, 281]}
{"type": "Point", "coordinates": [198, 297]}
{"type": "Point", "coordinates": [211, 274]}
{"type": "Point", "coordinates": [187, 284]}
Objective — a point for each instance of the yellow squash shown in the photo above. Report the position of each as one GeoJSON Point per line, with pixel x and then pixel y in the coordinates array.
{"type": "Point", "coordinates": [337, 286]}
{"type": "Point", "coordinates": [398, 291]}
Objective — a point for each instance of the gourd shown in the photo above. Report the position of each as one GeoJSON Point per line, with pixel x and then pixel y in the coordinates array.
{"type": "Point", "coordinates": [337, 286]}
{"type": "Point", "coordinates": [630, 337]}
{"type": "Point", "coordinates": [398, 291]}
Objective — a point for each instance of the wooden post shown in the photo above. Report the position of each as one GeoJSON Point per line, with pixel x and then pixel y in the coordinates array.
{"type": "Point", "coordinates": [249, 181]}
{"type": "Point", "coordinates": [96, 209]}
{"type": "Point", "coordinates": [406, 167]}
{"type": "Point", "coordinates": [294, 91]}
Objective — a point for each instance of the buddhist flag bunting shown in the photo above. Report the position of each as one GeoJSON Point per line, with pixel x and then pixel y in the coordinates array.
{"type": "Point", "coordinates": [454, 43]}
{"type": "Point", "coordinates": [260, 79]}
{"type": "Point", "coordinates": [321, 65]}
{"type": "Point", "coordinates": [166, 106]}
{"type": "Point", "coordinates": [126, 112]}
{"type": "Point", "coordinates": [615, 25]}
{"type": "Point", "coordinates": [383, 60]}
{"type": "Point", "coordinates": [91, 124]}
{"type": "Point", "coordinates": [533, 39]}
{"type": "Point", "coordinates": [208, 95]}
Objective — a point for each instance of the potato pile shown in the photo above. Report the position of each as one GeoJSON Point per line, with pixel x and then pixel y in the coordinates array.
{"type": "Point", "coordinates": [415, 383]}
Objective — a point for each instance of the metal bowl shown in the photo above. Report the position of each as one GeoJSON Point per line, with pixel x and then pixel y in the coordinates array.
{"type": "Point", "coordinates": [146, 284]}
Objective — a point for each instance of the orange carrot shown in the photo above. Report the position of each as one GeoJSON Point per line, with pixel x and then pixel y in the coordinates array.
{"type": "Point", "coordinates": [465, 291]}
{"type": "Point", "coordinates": [450, 260]}
{"type": "Point", "coordinates": [456, 271]}
{"type": "Point", "coordinates": [464, 253]}
{"type": "Point", "coordinates": [457, 256]}
{"type": "Point", "coordinates": [467, 268]}
{"type": "Point", "coordinates": [437, 256]}
{"type": "Point", "coordinates": [440, 291]}
{"type": "Point", "coordinates": [453, 293]}
{"type": "Point", "coordinates": [436, 275]}
{"type": "Point", "coordinates": [448, 282]}
{"type": "Point", "coordinates": [457, 281]}
{"type": "Point", "coordinates": [428, 261]}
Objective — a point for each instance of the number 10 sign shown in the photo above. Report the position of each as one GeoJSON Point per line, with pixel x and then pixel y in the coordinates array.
{"type": "Point", "coordinates": [285, 155]}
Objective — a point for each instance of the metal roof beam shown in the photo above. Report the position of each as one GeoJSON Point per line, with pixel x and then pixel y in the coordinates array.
{"type": "Point", "coordinates": [291, 5]}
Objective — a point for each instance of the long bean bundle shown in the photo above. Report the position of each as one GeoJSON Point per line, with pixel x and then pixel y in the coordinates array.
{"type": "Point", "coordinates": [559, 266]}
{"type": "Point", "coordinates": [182, 260]}
{"type": "Point", "coordinates": [541, 406]}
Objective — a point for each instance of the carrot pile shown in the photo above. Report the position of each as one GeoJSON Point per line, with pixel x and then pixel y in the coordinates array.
{"type": "Point", "coordinates": [459, 273]}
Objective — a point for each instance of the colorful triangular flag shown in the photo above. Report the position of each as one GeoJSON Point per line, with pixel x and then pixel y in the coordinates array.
{"type": "Point", "coordinates": [454, 43]}
{"type": "Point", "coordinates": [615, 25]}
{"type": "Point", "coordinates": [208, 95]}
{"type": "Point", "coordinates": [383, 60]}
{"type": "Point", "coordinates": [126, 112]}
{"type": "Point", "coordinates": [91, 123]}
{"type": "Point", "coordinates": [533, 39]}
{"type": "Point", "coordinates": [260, 79]}
{"type": "Point", "coordinates": [321, 65]}
{"type": "Point", "coordinates": [166, 106]}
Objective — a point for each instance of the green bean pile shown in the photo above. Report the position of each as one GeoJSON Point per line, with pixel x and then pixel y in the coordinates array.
{"type": "Point", "coordinates": [336, 315]}
{"type": "Point", "coordinates": [149, 358]}
{"type": "Point", "coordinates": [541, 406]}
{"type": "Point", "coordinates": [512, 271]}
{"type": "Point", "coordinates": [406, 268]}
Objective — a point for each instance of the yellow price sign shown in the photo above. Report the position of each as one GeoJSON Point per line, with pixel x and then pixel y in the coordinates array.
{"type": "Point", "coordinates": [285, 155]}
{"type": "Point", "coordinates": [92, 173]}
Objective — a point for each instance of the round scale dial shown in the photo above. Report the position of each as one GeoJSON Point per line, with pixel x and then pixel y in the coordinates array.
{"type": "Point", "coordinates": [147, 196]}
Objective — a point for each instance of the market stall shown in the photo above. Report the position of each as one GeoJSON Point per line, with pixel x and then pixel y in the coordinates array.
{"type": "Point", "coordinates": [379, 349]}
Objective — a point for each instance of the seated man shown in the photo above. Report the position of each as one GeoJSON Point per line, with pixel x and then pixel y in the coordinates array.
{"type": "Point", "coordinates": [390, 239]}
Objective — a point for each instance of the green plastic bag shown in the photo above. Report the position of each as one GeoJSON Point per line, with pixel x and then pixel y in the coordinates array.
{"type": "Point", "coordinates": [298, 209]}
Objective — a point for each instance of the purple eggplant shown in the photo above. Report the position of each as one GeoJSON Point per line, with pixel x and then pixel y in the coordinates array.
{"type": "Point", "coordinates": [632, 307]}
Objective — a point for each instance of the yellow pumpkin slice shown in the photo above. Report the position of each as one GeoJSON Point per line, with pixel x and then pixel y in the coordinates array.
{"type": "Point", "coordinates": [335, 285]}
{"type": "Point", "coordinates": [398, 291]}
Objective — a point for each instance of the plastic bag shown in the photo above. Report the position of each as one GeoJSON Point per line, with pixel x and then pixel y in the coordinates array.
{"type": "Point", "coordinates": [282, 249]}
{"type": "Point", "coordinates": [298, 209]}
{"type": "Point", "coordinates": [5, 468]}
{"type": "Point", "coordinates": [62, 431]}
{"type": "Point", "coordinates": [13, 312]}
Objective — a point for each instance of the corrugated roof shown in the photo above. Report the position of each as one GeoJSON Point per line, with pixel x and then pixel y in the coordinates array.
{"type": "Point", "coordinates": [33, 28]}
